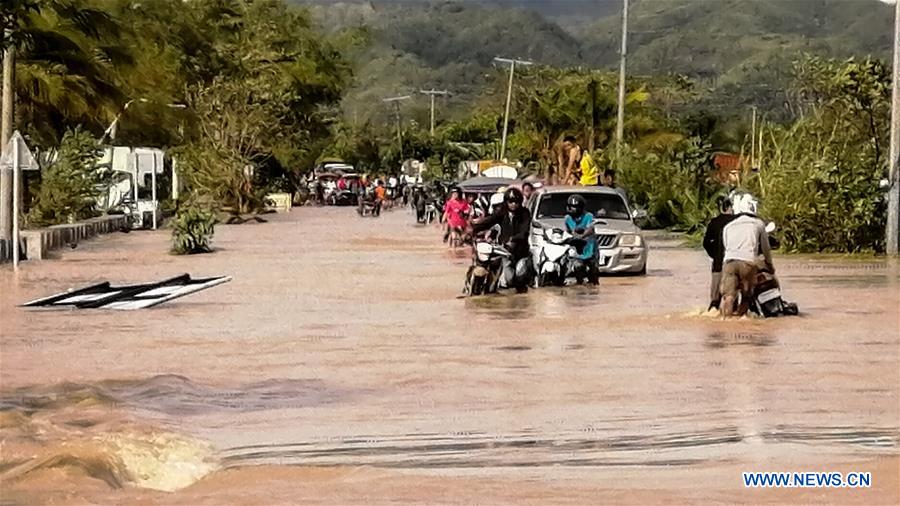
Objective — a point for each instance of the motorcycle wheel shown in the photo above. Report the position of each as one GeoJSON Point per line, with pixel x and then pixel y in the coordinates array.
{"type": "Point", "coordinates": [477, 285]}
{"type": "Point", "coordinates": [476, 281]}
{"type": "Point", "coordinates": [773, 308]}
{"type": "Point", "coordinates": [547, 279]}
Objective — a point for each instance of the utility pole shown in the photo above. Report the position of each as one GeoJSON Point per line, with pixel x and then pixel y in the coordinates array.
{"type": "Point", "coordinates": [620, 120]}
{"type": "Point", "coordinates": [433, 93]}
{"type": "Point", "coordinates": [893, 230]}
{"type": "Point", "coordinates": [592, 96]}
{"type": "Point", "coordinates": [6, 129]}
{"type": "Point", "coordinates": [753, 139]}
{"type": "Point", "coordinates": [512, 71]}
{"type": "Point", "coordinates": [396, 101]}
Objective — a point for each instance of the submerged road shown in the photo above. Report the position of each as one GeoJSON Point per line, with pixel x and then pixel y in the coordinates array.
{"type": "Point", "coordinates": [339, 367]}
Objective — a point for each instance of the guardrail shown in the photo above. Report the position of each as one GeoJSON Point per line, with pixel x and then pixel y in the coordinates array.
{"type": "Point", "coordinates": [38, 242]}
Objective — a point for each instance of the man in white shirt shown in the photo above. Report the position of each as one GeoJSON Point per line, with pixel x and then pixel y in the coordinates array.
{"type": "Point", "coordinates": [744, 239]}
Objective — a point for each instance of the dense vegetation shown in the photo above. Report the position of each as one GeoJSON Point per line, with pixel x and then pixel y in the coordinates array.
{"type": "Point", "coordinates": [268, 88]}
{"type": "Point", "coordinates": [260, 87]}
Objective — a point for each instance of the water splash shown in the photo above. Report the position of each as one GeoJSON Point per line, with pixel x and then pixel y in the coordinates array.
{"type": "Point", "coordinates": [161, 461]}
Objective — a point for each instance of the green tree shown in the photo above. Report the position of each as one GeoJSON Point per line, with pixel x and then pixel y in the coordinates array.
{"type": "Point", "coordinates": [66, 53]}
{"type": "Point", "coordinates": [71, 185]}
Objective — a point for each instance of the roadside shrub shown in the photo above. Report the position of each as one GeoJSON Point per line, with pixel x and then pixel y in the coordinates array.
{"type": "Point", "coordinates": [821, 189]}
{"type": "Point", "coordinates": [673, 185]}
{"type": "Point", "coordinates": [193, 227]}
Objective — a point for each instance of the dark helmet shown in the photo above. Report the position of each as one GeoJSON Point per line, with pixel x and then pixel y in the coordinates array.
{"type": "Point", "coordinates": [514, 195]}
{"type": "Point", "coordinates": [575, 205]}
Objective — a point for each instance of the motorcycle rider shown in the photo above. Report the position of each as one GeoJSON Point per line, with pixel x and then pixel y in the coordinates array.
{"type": "Point", "coordinates": [514, 221]}
{"type": "Point", "coordinates": [581, 225]}
{"type": "Point", "coordinates": [743, 239]}
{"type": "Point", "coordinates": [712, 243]}
{"type": "Point", "coordinates": [361, 198]}
{"type": "Point", "coordinates": [418, 202]}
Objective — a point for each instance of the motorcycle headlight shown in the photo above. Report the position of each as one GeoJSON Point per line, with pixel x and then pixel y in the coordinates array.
{"type": "Point", "coordinates": [484, 250]}
{"type": "Point", "coordinates": [630, 240]}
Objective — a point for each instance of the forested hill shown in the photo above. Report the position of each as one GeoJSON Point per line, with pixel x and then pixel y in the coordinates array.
{"type": "Point", "coordinates": [714, 38]}
{"type": "Point", "coordinates": [739, 48]}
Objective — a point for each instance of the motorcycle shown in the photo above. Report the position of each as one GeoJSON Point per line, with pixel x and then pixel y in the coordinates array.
{"type": "Point", "coordinates": [341, 198]}
{"type": "Point", "coordinates": [128, 208]}
{"type": "Point", "coordinates": [551, 263]}
{"type": "Point", "coordinates": [491, 270]}
{"type": "Point", "coordinates": [559, 259]}
{"type": "Point", "coordinates": [431, 213]}
{"type": "Point", "coordinates": [369, 208]}
{"type": "Point", "coordinates": [420, 205]}
{"type": "Point", "coordinates": [438, 203]}
{"type": "Point", "coordinates": [483, 276]}
{"type": "Point", "coordinates": [766, 299]}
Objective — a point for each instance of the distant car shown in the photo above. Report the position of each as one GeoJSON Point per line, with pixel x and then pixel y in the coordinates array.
{"type": "Point", "coordinates": [621, 244]}
{"type": "Point", "coordinates": [484, 188]}
{"type": "Point", "coordinates": [486, 184]}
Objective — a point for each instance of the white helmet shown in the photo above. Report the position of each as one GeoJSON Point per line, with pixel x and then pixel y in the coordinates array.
{"type": "Point", "coordinates": [745, 203]}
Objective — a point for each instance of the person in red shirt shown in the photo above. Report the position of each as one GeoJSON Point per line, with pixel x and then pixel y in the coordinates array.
{"type": "Point", "coordinates": [456, 214]}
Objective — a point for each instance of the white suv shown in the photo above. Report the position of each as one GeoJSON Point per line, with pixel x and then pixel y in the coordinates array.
{"type": "Point", "coordinates": [620, 243]}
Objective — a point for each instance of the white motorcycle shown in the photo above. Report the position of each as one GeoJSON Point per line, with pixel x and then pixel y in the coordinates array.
{"type": "Point", "coordinates": [551, 262]}
{"type": "Point", "coordinates": [559, 259]}
{"type": "Point", "coordinates": [485, 273]}
{"type": "Point", "coordinates": [493, 268]}
{"type": "Point", "coordinates": [431, 212]}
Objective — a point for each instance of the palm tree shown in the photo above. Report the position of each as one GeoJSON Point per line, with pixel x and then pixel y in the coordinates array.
{"type": "Point", "coordinates": [66, 65]}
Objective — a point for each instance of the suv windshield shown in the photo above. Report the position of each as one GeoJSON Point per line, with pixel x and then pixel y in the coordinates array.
{"type": "Point", "coordinates": [602, 205]}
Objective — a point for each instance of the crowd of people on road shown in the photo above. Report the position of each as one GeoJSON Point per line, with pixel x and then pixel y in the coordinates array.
{"type": "Point", "coordinates": [736, 241]}
{"type": "Point", "coordinates": [346, 189]}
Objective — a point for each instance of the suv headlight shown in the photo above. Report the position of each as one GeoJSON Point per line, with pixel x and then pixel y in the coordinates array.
{"type": "Point", "coordinates": [632, 240]}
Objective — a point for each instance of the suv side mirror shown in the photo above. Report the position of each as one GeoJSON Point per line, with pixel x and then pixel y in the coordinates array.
{"type": "Point", "coordinates": [639, 214]}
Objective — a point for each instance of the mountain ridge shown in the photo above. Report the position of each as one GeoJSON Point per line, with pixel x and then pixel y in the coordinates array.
{"type": "Point", "coordinates": [738, 48]}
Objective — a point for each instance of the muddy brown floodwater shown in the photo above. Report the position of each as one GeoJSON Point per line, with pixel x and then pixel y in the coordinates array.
{"type": "Point", "coordinates": [339, 367]}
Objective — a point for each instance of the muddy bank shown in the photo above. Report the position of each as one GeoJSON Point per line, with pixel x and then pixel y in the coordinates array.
{"type": "Point", "coordinates": [338, 367]}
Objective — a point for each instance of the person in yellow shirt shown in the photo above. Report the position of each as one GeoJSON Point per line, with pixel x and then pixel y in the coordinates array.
{"type": "Point", "coordinates": [590, 174]}
{"type": "Point", "coordinates": [577, 165]}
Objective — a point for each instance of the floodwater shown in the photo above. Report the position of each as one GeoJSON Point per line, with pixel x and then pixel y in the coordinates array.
{"type": "Point", "coordinates": [339, 367]}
